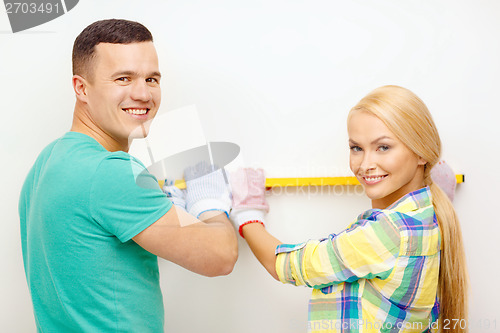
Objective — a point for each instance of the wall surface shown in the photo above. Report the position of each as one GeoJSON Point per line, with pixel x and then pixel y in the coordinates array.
{"type": "Point", "coordinates": [277, 78]}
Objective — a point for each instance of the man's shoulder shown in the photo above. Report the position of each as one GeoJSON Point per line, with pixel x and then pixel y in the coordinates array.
{"type": "Point", "coordinates": [80, 160]}
{"type": "Point", "coordinates": [80, 148]}
{"type": "Point", "coordinates": [122, 168]}
{"type": "Point", "coordinates": [78, 156]}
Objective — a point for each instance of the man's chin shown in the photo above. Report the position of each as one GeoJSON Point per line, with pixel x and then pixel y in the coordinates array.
{"type": "Point", "coordinates": [140, 132]}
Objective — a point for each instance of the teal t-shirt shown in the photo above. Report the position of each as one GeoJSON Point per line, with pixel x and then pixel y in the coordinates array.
{"type": "Point", "coordinates": [79, 208]}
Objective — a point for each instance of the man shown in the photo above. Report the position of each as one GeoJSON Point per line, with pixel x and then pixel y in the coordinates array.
{"type": "Point", "coordinates": [93, 220]}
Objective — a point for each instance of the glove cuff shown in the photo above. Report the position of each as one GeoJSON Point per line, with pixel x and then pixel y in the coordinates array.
{"type": "Point", "coordinates": [204, 205]}
{"type": "Point", "coordinates": [178, 202]}
{"type": "Point", "coordinates": [240, 229]}
{"type": "Point", "coordinates": [241, 216]}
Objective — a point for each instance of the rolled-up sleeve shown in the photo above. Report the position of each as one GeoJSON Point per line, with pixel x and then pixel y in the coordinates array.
{"type": "Point", "coordinates": [367, 249]}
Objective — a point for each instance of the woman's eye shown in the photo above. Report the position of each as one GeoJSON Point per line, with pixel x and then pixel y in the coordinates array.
{"type": "Point", "coordinates": [355, 148]}
{"type": "Point", "coordinates": [383, 148]}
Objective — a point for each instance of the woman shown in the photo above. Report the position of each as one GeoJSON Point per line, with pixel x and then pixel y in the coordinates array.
{"type": "Point", "coordinates": [401, 264]}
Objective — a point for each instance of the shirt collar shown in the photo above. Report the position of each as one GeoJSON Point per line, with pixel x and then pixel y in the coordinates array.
{"type": "Point", "coordinates": [413, 201]}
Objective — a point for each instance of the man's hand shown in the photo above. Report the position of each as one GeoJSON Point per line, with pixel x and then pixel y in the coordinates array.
{"type": "Point", "coordinates": [206, 190]}
{"type": "Point", "coordinates": [175, 194]}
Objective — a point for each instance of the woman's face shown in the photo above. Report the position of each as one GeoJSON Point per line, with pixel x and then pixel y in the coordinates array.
{"type": "Point", "coordinates": [385, 167]}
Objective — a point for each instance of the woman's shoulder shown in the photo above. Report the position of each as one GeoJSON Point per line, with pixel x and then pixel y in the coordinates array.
{"type": "Point", "coordinates": [413, 208]}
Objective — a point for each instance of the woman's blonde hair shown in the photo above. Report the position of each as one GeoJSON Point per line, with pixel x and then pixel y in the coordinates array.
{"type": "Point", "coordinates": [411, 122]}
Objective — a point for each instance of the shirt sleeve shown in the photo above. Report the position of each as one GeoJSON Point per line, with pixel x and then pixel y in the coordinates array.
{"type": "Point", "coordinates": [125, 198]}
{"type": "Point", "coordinates": [367, 249]}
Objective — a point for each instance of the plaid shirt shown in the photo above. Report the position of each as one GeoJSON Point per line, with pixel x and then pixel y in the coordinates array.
{"type": "Point", "coordinates": [378, 275]}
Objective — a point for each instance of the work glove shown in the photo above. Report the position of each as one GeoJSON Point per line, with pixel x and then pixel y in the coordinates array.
{"type": "Point", "coordinates": [206, 189]}
{"type": "Point", "coordinates": [175, 194]}
{"type": "Point", "coordinates": [249, 201]}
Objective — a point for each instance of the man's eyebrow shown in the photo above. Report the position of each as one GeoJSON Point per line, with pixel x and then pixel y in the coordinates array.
{"type": "Point", "coordinates": [132, 73]}
{"type": "Point", "coordinates": [158, 74]}
{"type": "Point", "coordinates": [124, 73]}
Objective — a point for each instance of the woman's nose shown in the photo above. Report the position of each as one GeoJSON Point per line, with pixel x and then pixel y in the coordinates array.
{"type": "Point", "coordinates": [367, 163]}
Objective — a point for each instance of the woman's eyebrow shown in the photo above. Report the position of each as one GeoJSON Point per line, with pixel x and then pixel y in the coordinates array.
{"type": "Point", "coordinates": [374, 141]}
{"type": "Point", "coordinates": [353, 142]}
{"type": "Point", "coordinates": [381, 138]}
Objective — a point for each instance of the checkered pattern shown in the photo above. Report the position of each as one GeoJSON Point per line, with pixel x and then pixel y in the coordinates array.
{"type": "Point", "coordinates": [378, 275]}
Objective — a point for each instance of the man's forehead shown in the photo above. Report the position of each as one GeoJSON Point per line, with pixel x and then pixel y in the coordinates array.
{"type": "Point", "coordinates": [113, 47]}
{"type": "Point", "coordinates": [141, 54]}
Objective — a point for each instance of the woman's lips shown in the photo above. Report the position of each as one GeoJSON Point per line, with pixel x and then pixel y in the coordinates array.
{"type": "Point", "coordinates": [371, 180]}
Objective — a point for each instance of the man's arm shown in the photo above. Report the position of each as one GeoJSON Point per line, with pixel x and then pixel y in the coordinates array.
{"type": "Point", "coordinates": [208, 247]}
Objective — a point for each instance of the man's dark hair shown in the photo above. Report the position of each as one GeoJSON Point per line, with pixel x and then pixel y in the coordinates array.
{"type": "Point", "coordinates": [106, 31]}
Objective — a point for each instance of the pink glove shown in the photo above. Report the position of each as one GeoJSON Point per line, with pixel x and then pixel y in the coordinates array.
{"type": "Point", "coordinates": [445, 178]}
{"type": "Point", "coordinates": [248, 188]}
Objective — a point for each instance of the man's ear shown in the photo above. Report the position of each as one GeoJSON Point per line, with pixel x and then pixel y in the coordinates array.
{"type": "Point", "coordinates": [80, 88]}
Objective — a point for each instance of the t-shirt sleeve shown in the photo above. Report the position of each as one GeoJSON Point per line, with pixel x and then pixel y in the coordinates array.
{"type": "Point", "coordinates": [125, 198]}
{"type": "Point", "coordinates": [367, 249]}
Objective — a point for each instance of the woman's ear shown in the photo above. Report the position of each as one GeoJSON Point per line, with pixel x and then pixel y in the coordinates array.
{"type": "Point", "coordinates": [421, 161]}
{"type": "Point", "coordinates": [80, 88]}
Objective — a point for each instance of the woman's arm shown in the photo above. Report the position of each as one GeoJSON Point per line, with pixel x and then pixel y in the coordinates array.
{"type": "Point", "coordinates": [263, 246]}
{"type": "Point", "coordinates": [366, 249]}
{"type": "Point", "coordinates": [249, 208]}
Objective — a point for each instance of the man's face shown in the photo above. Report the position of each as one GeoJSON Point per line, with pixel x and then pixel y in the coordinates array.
{"type": "Point", "coordinates": [123, 94]}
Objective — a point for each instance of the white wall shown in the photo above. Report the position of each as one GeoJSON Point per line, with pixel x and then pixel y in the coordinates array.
{"type": "Point", "coordinates": [276, 77]}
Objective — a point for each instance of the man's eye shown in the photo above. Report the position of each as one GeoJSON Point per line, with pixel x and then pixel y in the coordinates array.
{"type": "Point", "coordinates": [123, 79]}
{"type": "Point", "coordinates": [152, 80]}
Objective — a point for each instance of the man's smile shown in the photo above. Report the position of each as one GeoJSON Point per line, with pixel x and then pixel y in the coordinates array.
{"type": "Point", "coordinates": [136, 111]}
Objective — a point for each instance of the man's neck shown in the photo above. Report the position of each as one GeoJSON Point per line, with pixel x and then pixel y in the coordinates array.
{"type": "Point", "coordinates": [86, 126]}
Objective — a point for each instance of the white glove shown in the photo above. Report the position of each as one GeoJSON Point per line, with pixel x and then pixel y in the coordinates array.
{"type": "Point", "coordinates": [206, 189]}
{"type": "Point", "coordinates": [175, 194]}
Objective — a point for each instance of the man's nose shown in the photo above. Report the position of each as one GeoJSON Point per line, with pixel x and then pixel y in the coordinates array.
{"type": "Point", "coordinates": [141, 91]}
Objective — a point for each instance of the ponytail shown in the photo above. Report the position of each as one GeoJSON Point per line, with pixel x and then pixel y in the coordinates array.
{"type": "Point", "coordinates": [453, 278]}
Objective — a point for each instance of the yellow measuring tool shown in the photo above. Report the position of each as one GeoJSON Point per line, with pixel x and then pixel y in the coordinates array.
{"type": "Point", "coordinates": [306, 181]}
